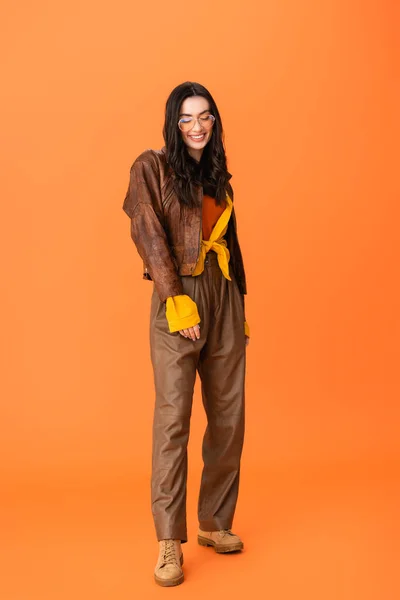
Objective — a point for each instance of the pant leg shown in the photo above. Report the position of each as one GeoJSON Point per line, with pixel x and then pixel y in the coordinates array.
{"type": "Point", "coordinates": [222, 367]}
{"type": "Point", "coordinates": [174, 359]}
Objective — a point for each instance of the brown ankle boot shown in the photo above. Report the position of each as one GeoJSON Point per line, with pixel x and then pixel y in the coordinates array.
{"type": "Point", "coordinates": [222, 541]}
{"type": "Point", "coordinates": [168, 569]}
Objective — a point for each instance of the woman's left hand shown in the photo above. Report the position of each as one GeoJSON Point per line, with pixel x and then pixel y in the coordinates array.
{"type": "Point", "coordinates": [247, 340]}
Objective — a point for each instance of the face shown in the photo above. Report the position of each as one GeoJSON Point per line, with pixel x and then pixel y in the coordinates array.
{"type": "Point", "coordinates": [198, 137]}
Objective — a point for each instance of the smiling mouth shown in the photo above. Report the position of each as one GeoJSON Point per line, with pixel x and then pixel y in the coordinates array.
{"type": "Point", "coordinates": [197, 138]}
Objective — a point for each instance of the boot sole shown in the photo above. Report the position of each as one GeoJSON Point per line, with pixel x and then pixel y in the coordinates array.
{"type": "Point", "coordinates": [170, 582]}
{"type": "Point", "coordinates": [221, 549]}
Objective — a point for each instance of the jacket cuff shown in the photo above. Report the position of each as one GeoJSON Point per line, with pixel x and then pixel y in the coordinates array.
{"type": "Point", "coordinates": [246, 329]}
{"type": "Point", "coordinates": [181, 312]}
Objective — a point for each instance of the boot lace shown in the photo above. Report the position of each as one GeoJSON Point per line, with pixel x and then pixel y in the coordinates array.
{"type": "Point", "coordinates": [224, 532]}
{"type": "Point", "coordinates": [169, 555]}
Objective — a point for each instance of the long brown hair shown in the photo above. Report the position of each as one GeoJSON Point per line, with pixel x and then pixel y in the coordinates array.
{"type": "Point", "coordinates": [211, 172]}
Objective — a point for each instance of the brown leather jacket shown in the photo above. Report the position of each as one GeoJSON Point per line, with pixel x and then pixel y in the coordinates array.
{"type": "Point", "coordinates": [166, 234]}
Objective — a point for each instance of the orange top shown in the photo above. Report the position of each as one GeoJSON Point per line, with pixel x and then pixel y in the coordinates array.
{"type": "Point", "coordinates": [211, 214]}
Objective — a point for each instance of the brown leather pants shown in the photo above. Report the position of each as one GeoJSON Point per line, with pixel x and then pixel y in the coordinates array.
{"type": "Point", "coordinates": [220, 358]}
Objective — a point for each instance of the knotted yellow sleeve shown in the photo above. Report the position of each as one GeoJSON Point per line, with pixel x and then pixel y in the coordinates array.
{"type": "Point", "coordinates": [217, 243]}
{"type": "Point", "coordinates": [181, 312]}
{"type": "Point", "coordinates": [246, 329]}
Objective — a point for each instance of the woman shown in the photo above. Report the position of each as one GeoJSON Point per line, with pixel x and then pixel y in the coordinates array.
{"type": "Point", "coordinates": [183, 224]}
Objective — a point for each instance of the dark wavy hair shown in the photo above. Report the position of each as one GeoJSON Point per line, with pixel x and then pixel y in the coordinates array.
{"type": "Point", "coordinates": [211, 171]}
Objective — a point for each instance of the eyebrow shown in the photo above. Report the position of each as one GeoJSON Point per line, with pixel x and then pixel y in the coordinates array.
{"type": "Point", "coordinates": [188, 115]}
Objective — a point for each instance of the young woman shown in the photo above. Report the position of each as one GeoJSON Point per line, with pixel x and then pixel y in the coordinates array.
{"type": "Point", "coordinates": [183, 224]}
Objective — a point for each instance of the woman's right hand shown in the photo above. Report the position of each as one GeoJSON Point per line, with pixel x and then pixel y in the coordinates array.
{"type": "Point", "coordinates": [192, 333]}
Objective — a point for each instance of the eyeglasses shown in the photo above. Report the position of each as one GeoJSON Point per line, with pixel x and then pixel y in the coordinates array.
{"type": "Point", "coordinates": [187, 123]}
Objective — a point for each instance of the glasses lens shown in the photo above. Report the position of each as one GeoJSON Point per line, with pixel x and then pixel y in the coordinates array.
{"type": "Point", "coordinates": [186, 123]}
{"type": "Point", "coordinates": [207, 121]}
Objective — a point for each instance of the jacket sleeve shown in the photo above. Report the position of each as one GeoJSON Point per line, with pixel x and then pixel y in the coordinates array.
{"type": "Point", "coordinates": [144, 207]}
{"type": "Point", "coordinates": [233, 216]}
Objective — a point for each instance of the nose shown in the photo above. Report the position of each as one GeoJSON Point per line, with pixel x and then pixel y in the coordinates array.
{"type": "Point", "coordinates": [197, 126]}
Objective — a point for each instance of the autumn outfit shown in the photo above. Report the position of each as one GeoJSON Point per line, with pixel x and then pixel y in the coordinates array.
{"type": "Point", "coordinates": [193, 257]}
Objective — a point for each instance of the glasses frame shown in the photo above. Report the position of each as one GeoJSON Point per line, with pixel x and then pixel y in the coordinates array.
{"type": "Point", "coordinates": [194, 122]}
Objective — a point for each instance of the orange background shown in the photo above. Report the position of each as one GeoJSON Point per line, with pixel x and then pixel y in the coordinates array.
{"type": "Point", "coordinates": [308, 93]}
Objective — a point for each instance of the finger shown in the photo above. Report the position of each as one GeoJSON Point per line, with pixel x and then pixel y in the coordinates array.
{"type": "Point", "coordinates": [192, 333]}
{"type": "Point", "coordinates": [197, 331]}
{"type": "Point", "coordinates": [182, 332]}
